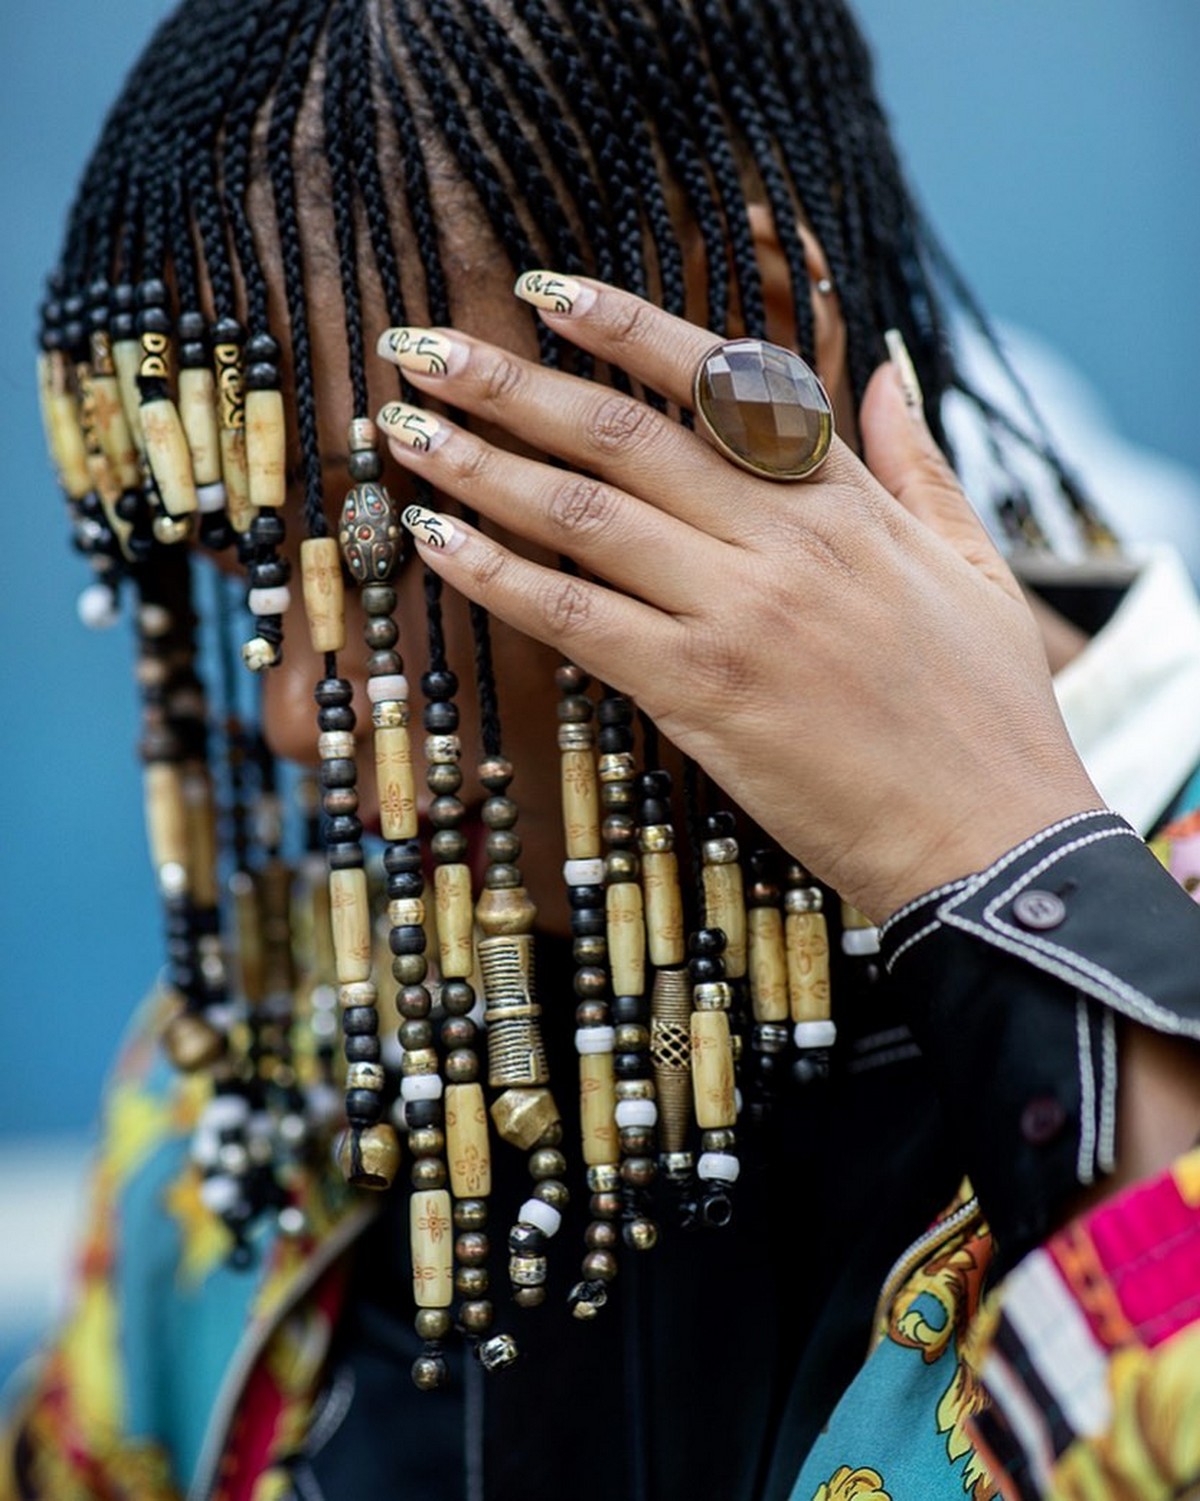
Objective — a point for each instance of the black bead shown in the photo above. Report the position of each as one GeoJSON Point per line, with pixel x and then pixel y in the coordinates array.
{"type": "Point", "coordinates": [403, 856]}
{"type": "Point", "coordinates": [615, 710]}
{"type": "Point", "coordinates": [378, 599]}
{"type": "Point", "coordinates": [589, 924]}
{"type": "Point", "coordinates": [339, 771]}
{"type": "Point", "coordinates": [702, 969]}
{"type": "Point", "coordinates": [336, 719]}
{"type": "Point", "coordinates": [151, 320]}
{"type": "Point", "coordinates": [191, 325]}
{"type": "Point", "coordinates": [344, 856]}
{"type": "Point", "coordinates": [362, 1049]}
{"type": "Point", "coordinates": [409, 939]}
{"type": "Point", "coordinates": [420, 1113]}
{"type": "Point", "coordinates": [707, 941]}
{"type": "Point", "coordinates": [267, 530]}
{"type": "Point", "coordinates": [363, 1105]}
{"type": "Point", "coordinates": [216, 531]}
{"type": "Point", "coordinates": [152, 293]}
{"type": "Point", "coordinates": [630, 1065]}
{"type": "Point", "coordinates": [441, 684]}
{"type": "Point", "coordinates": [360, 1021]}
{"type": "Point", "coordinates": [270, 574]}
{"type": "Point", "coordinates": [333, 691]}
{"type": "Point", "coordinates": [344, 829]}
{"type": "Point", "coordinates": [526, 1240]}
{"type": "Point", "coordinates": [583, 897]}
{"type": "Point", "coordinates": [721, 825]}
{"type": "Point", "coordinates": [612, 740]}
{"type": "Point", "coordinates": [262, 346]}
{"type": "Point", "coordinates": [405, 884]}
{"type": "Point", "coordinates": [441, 718]}
{"type": "Point", "coordinates": [629, 1008]}
{"type": "Point", "coordinates": [227, 331]}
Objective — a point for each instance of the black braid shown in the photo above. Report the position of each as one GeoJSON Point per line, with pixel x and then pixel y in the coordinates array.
{"type": "Point", "coordinates": [338, 48]}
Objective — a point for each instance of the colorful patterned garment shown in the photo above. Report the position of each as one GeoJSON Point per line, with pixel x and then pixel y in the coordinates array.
{"type": "Point", "coordinates": [174, 1376]}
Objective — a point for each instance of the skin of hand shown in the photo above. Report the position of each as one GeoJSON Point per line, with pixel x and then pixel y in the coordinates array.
{"type": "Point", "coordinates": [848, 656]}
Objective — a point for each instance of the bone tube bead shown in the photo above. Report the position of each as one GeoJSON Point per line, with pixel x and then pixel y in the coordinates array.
{"type": "Point", "coordinates": [626, 937]}
{"type": "Point", "coordinates": [64, 434]}
{"type": "Point", "coordinates": [581, 804]}
{"type": "Point", "coordinates": [351, 919]}
{"type": "Point", "coordinates": [664, 908]}
{"type": "Point", "coordinates": [112, 429]}
{"type": "Point", "coordinates": [671, 1051]}
{"type": "Point", "coordinates": [201, 816]}
{"type": "Point", "coordinates": [237, 480]}
{"type": "Point", "coordinates": [198, 413]}
{"type": "Point", "coordinates": [432, 1238]}
{"type": "Point", "coordinates": [725, 908]}
{"type": "Point", "coordinates": [394, 778]}
{"type": "Point", "coordinates": [712, 1070]}
{"type": "Point", "coordinates": [166, 816]}
{"type": "Point", "coordinates": [266, 454]}
{"type": "Point", "coordinates": [324, 593]}
{"type": "Point", "coordinates": [248, 931]}
{"type": "Point", "coordinates": [127, 357]}
{"type": "Point", "coordinates": [808, 965]}
{"type": "Point", "coordinates": [169, 456]}
{"type": "Point", "coordinates": [468, 1153]}
{"type": "Point", "coordinates": [455, 921]}
{"type": "Point", "coordinates": [767, 964]}
{"type": "Point", "coordinates": [597, 1109]}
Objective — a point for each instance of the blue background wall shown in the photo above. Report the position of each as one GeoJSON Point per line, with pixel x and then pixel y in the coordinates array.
{"type": "Point", "coordinates": [1056, 147]}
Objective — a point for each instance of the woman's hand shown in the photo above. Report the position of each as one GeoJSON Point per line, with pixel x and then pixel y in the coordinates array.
{"type": "Point", "coordinates": [849, 657]}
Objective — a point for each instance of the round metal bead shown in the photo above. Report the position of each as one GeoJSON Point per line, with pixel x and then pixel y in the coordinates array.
{"type": "Point", "coordinates": [601, 1235]}
{"type": "Point", "coordinates": [591, 1014]}
{"type": "Point", "coordinates": [416, 1034]}
{"type": "Point", "coordinates": [476, 1316]}
{"type": "Point", "coordinates": [427, 1141]}
{"type": "Point", "coordinates": [529, 1297]}
{"type": "Point", "coordinates": [551, 1191]}
{"type": "Point", "coordinates": [499, 813]}
{"type": "Point", "coordinates": [547, 1162]}
{"type": "Point", "coordinates": [570, 679]}
{"type": "Point", "coordinates": [412, 1002]}
{"type": "Point", "coordinates": [471, 1246]}
{"type": "Point", "coordinates": [457, 997]}
{"type": "Point", "coordinates": [600, 1265]}
{"type": "Point", "coordinates": [428, 1172]}
{"type": "Point", "coordinates": [462, 1066]}
{"type": "Point", "coordinates": [429, 1372]}
{"type": "Point", "coordinates": [496, 772]}
{"type": "Point", "coordinates": [471, 1281]}
{"type": "Point", "coordinates": [432, 1323]}
{"type": "Point", "coordinates": [459, 1032]}
{"type": "Point", "coordinates": [409, 969]}
{"type": "Point", "coordinates": [638, 1172]}
{"type": "Point", "coordinates": [641, 1235]}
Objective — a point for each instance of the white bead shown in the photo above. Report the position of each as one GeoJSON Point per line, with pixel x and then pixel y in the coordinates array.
{"type": "Point", "coordinates": [219, 1194]}
{"type": "Point", "coordinates": [860, 942]}
{"type": "Point", "coordinates": [718, 1167]}
{"type": "Point", "coordinates": [97, 607]}
{"type": "Point", "coordinates": [224, 1112]}
{"type": "Point", "coordinates": [205, 1146]}
{"type": "Point", "coordinates": [543, 1216]}
{"type": "Point", "coordinates": [636, 1113]}
{"type": "Point", "coordinates": [391, 688]}
{"type": "Point", "coordinates": [211, 497]}
{"type": "Point", "coordinates": [258, 654]}
{"type": "Point", "coordinates": [594, 1039]}
{"type": "Point", "coordinates": [814, 1034]}
{"type": "Point", "coordinates": [737, 1101]}
{"type": "Point", "coordinates": [269, 601]}
{"type": "Point", "coordinates": [584, 872]}
{"type": "Point", "coordinates": [421, 1087]}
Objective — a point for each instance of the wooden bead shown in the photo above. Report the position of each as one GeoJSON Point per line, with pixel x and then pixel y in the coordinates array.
{"type": "Point", "coordinates": [626, 937]}
{"type": "Point", "coordinates": [166, 818]}
{"type": "Point", "coordinates": [767, 963]}
{"type": "Point", "coordinates": [112, 429]}
{"type": "Point", "coordinates": [455, 921]}
{"type": "Point", "coordinates": [169, 456]}
{"type": "Point", "coordinates": [237, 479]}
{"type": "Point", "coordinates": [394, 779]}
{"type": "Point", "coordinates": [712, 1070]}
{"type": "Point", "coordinates": [581, 804]}
{"type": "Point", "coordinates": [523, 1117]}
{"type": "Point", "coordinates": [468, 1153]}
{"type": "Point", "coordinates": [324, 593]}
{"type": "Point", "coordinates": [60, 417]}
{"type": "Point", "coordinates": [664, 908]}
{"type": "Point", "coordinates": [198, 413]}
{"type": "Point", "coordinates": [808, 966]}
{"type": "Point", "coordinates": [725, 908]}
{"type": "Point", "coordinates": [127, 357]}
{"type": "Point", "coordinates": [597, 1109]}
{"type": "Point", "coordinates": [432, 1236]}
{"type": "Point", "coordinates": [266, 449]}
{"type": "Point", "coordinates": [351, 920]}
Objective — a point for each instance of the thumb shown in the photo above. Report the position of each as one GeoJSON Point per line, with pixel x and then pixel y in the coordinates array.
{"type": "Point", "coordinates": [901, 454]}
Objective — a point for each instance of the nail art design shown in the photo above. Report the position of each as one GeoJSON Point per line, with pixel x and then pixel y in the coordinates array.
{"type": "Point", "coordinates": [411, 426]}
{"type": "Point", "coordinates": [906, 371]}
{"type": "Point", "coordinates": [553, 293]}
{"type": "Point", "coordinates": [432, 528]}
{"type": "Point", "coordinates": [421, 350]}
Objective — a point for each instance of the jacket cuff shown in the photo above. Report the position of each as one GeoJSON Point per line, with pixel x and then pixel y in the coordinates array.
{"type": "Point", "coordinates": [1013, 979]}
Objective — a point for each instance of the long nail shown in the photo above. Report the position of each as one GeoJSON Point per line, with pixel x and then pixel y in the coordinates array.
{"type": "Point", "coordinates": [432, 528]}
{"type": "Point", "coordinates": [416, 429]}
{"type": "Point", "coordinates": [422, 350]}
{"type": "Point", "coordinates": [906, 373]}
{"type": "Point", "coordinates": [553, 293]}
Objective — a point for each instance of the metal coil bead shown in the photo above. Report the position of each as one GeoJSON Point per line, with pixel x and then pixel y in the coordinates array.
{"type": "Point", "coordinates": [516, 1049]}
{"type": "Point", "coordinates": [671, 1052]}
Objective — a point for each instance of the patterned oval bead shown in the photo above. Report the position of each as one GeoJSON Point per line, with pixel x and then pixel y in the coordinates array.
{"type": "Point", "coordinates": [369, 533]}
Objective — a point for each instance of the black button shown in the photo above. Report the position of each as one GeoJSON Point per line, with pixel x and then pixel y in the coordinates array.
{"type": "Point", "coordinates": [1039, 910]}
{"type": "Point", "coordinates": [1042, 1120]}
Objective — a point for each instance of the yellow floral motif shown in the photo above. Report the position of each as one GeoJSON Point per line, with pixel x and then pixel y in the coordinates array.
{"type": "Point", "coordinates": [203, 1240]}
{"type": "Point", "coordinates": [853, 1485]}
{"type": "Point", "coordinates": [1151, 1449]}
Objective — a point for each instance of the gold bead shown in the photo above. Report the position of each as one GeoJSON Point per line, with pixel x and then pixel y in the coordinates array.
{"type": "Point", "coordinates": [432, 1323]}
{"type": "Point", "coordinates": [191, 1043]}
{"type": "Point", "coordinates": [523, 1117]}
{"type": "Point", "coordinates": [376, 1161]}
{"type": "Point", "coordinates": [641, 1235]}
{"type": "Point", "coordinates": [476, 1316]}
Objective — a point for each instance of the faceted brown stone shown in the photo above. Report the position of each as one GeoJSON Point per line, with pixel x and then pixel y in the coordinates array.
{"type": "Point", "coordinates": [764, 408]}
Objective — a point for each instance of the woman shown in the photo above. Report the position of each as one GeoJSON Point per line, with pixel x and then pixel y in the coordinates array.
{"type": "Point", "coordinates": [730, 163]}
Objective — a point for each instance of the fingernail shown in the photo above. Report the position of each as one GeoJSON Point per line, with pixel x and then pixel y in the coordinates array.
{"type": "Point", "coordinates": [422, 351]}
{"type": "Point", "coordinates": [554, 294]}
{"type": "Point", "coordinates": [432, 529]}
{"type": "Point", "coordinates": [418, 430]}
{"type": "Point", "coordinates": [906, 373]}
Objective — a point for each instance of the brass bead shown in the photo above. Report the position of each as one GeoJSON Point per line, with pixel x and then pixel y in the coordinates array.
{"type": "Point", "coordinates": [546, 1162]}
{"type": "Point", "coordinates": [191, 1043]}
{"type": "Point", "coordinates": [462, 1066]}
{"type": "Point", "coordinates": [637, 1141]}
{"type": "Point", "coordinates": [427, 1141]}
{"type": "Point", "coordinates": [470, 1214]}
{"type": "Point", "coordinates": [638, 1171]}
{"type": "Point", "coordinates": [600, 1265]}
{"type": "Point", "coordinates": [430, 1372]}
{"type": "Point", "coordinates": [432, 1323]}
{"type": "Point", "coordinates": [591, 1014]}
{"type": "Point", "coordinates": [641, 1235]}
{"type": "Point", "coordinates": [717, 1140]}
{"type": "Point", "coordinates": [496, 772]}
{"type": "Point", "coordinates": [621, 865]}
{"type": "Point", "coordinates": [524, 1117]}
{"type": "Point", "coordinates": [606, 1206]}
{"type": "Point", "coordinates": [601, 1235]}
{"type": "Point", "coordinates": [471, 1281]}
{"type": "Point", "coordinates": [378, 1157]}
{"type": "Point", "coordinates": [631, 1037]}
{"type": "Point", "coordinates": [476, 1316]}
{"type": "Point", "coordinates": [171, 530]}
{"type": "Point", "coordinates": [553, 1192]}
{"type": "Point", "coordinates": [420, 1061]}
{"type": "Point", "coordinates": [529, 1297]}
{"type": "Point", "coordinates": [417, 1032]}
{"type": "Point", "coordinates": [428, 1172]}
{"type": "Point", "coordinates": [635, 1089]}
{"type": "Point", "coordinates": [603, 1178]}
{"type": "Point", "coordinates": [471, 1247]}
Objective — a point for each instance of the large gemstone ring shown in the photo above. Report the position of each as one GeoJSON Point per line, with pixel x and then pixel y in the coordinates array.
{"type": "Point", "coordinates": [764, 409]}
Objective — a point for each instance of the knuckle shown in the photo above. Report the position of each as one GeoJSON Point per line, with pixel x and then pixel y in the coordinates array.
{"type": "Point", "coordinates": [631, 326]}
{"type": "Point", "coordinates": [487, 568]}
{"type": "Point", "coordinates": [565, 606]}
{"type": "Point", "coordinates": [501, 379]}
{"type": "Point", "coordinates": [620, 424]}
{"type": "Point", "coordinates": [470, 462]}
{"type": "Point", "coordinates": [581, 505]}
{"type": "Point", "coordinates": [716, 664]}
